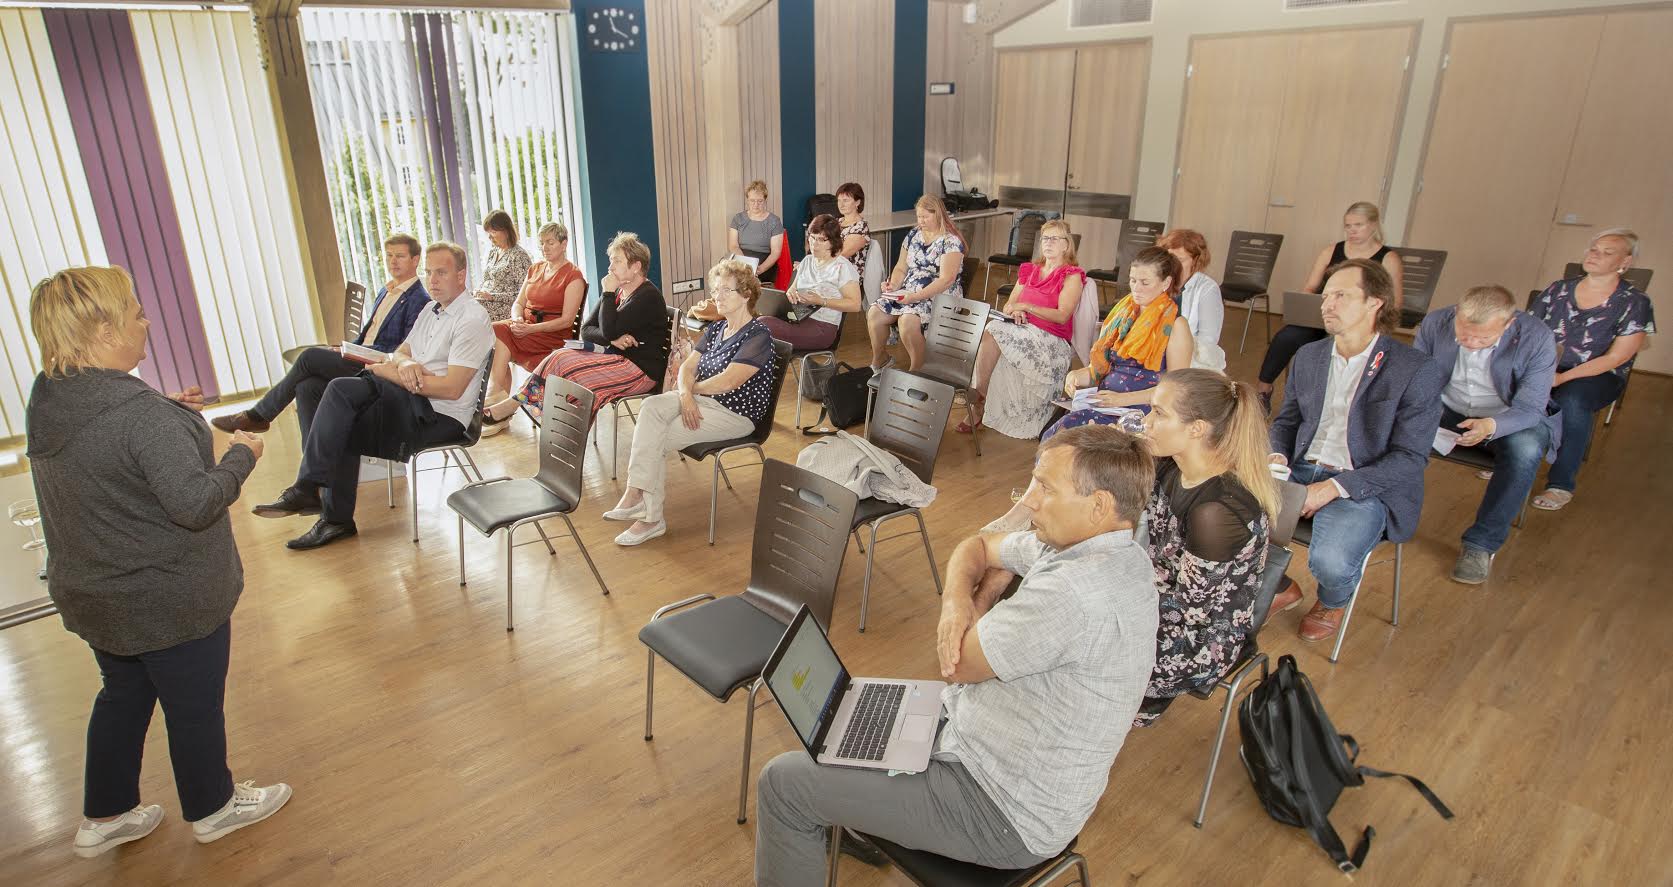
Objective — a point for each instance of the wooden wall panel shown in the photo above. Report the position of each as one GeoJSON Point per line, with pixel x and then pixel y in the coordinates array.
{"type": "Point", "coordinates": [758, 98]}
{"type": "Point", "coordinates": [1111, 81]}
{"type": "Point", "coordinates": [680, 143]}
{"type": "Point", "coordinates": [854, 96]}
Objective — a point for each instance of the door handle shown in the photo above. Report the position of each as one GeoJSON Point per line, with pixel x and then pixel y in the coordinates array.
{"type": "Point", "coordinates": [1573, 220]}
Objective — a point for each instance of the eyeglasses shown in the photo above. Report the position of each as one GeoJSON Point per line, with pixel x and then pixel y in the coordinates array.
{"type": "Point", "coordinates": [1054, 238]}
{"type": "Point", "coordinates": [726, 290]}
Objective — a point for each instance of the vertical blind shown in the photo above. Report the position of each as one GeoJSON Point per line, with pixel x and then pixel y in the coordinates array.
{"type": "Point", "coordinates": [428, 120]}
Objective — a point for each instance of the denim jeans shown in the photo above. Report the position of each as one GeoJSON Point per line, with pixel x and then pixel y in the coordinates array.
{"type": "Point", "coordinates": [1579, 401]}
{"type": "Point", "coordinates": [1515, 463]}
{"type": "Point", "coordinates": [190, 680]}
{"type": "Point", "coordinates": [1344, 532]}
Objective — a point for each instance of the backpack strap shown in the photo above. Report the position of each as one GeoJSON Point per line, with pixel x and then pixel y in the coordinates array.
{"type": "Point", "coordinates": [1318, 820]}
{"type": "Point", "coordinates": [1422, 789]}
{"type": "Point", "coordinates": [814, 430]}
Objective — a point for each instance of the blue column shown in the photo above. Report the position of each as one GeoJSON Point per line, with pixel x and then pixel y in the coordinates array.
{"type": "Point", "coordinates": [911, 83]}
{"type": "Point", "coordinates": [798, 134]}
{"type": "Point", "coordinates": [615, 110]}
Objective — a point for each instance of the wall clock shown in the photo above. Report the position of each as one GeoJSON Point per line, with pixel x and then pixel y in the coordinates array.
{"type": "Point", "coordinates": [610, 29]}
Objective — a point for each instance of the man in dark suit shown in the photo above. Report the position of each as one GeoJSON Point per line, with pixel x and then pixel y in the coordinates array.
{"type": "Point", "coordinates": [386, 326]}
{"type": "Point", "coordinates": [1500, 363]}
{"type": "Point", "coordinates": [1359, 417]}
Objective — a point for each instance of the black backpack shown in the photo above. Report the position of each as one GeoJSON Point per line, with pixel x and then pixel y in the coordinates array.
{"type": "Point", "coordinates": [845, 399]}
{"type": "Point", "coordinates": [1300, 764]}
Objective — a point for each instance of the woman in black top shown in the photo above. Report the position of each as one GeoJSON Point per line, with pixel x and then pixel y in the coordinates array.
{"type": "Point", "coordinates": [630, 323]}
{"type": "Point", "coordinates": [1209, 517]}
{"type": "Point", "coordinates": [1362, 238]}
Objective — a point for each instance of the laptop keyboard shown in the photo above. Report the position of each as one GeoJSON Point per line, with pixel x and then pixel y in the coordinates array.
{"type": "Point", "coordinates": [873, 720]}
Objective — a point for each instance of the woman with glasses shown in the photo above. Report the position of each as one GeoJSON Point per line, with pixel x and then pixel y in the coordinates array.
{"type": "Point", "coordinates": [825, 279]}
{"type": "Point", "coordinates": [1024, 354]}
{"type": "Point", "coordinates": [757, 233]}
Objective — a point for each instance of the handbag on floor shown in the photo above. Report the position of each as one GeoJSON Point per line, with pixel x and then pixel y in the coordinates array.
{"type": "Point", "coordinates": [1300, 764]}
{"type": "Point", "coordinates": [844, 403]}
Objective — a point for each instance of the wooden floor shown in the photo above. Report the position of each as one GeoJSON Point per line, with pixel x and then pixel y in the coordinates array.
{"type": "Point", "coordinates": [428, 746]}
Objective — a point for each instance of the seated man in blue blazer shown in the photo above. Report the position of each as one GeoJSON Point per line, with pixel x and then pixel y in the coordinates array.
{"type": "Point", "coordinates": [1359, 416]}
{"type": "Point", "coordinates": [1501, 362]}
{"type": "Point", "coordinates": [386, 326]}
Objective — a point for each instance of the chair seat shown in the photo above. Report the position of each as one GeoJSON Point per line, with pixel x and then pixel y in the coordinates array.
{"type": "Point", "coordinates": [1231, 292]}
{"type": "Point", "coordinates": [722, 645]}
{"type": "Point", "coordinates": [496, 506]}
{"type": "Point", "coordinates": [700, 451]}
{"type": "Point", "coordinates": [1006, 259]}
{"type": "Point", "coordinates": [1303, 531]}
{"type": "Point", "coordinates": [1475, 457]}
{"type": "Point", "coordinates": [1006, 288]}
{"type": "Point", "coordinates": [939, 871]}
{"type": "Point", "coordinates": [693, 324]}
{"type": "Point", "coordinates": [872, 508]}
{"type": "Point", "coordinates": [1110, 276]}
{"type": "Point", "coordinates": [290, 355]}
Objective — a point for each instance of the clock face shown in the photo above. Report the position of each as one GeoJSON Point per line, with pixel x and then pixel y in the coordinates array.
{"type": "Point", "coordinates": [614, 30]}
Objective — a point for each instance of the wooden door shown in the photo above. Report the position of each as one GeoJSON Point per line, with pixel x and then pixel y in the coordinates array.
{"type": "Point", "coordinates": [1229, 136]}
{"type": "Point", "coordinates": [1031, 124]}
{"type": "Point", "coordinates": [1505, 121]}
{"type": "Point", "coordinates": [1342, 109]}
{"type": "Point", "coordinates": [1619, 171]}
{"type": "Point", "coordinates": [1110, 85]}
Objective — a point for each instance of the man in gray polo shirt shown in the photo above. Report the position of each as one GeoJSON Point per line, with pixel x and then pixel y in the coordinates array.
{"type": "Point", "coordinates": [1048, 681]}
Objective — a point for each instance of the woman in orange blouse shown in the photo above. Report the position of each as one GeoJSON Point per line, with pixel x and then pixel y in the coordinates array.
{"type": "Point", "coordinates": [543, 315]}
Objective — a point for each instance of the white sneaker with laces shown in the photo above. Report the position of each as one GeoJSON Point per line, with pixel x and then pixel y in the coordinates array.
{"type": "Point", "coordinates": [94, 838]}
{"type": "Point", "coordinates": [248, 806]}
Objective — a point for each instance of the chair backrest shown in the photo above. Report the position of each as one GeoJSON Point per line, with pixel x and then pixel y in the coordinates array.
{"type": "Point", "coordinates": [967, 273]}
{"type": "Point", "coordinates": [872, 285]}
{"type": "Point", "coordinates": [781, 368]}
{"type": "Point", "coordinates": [1136, 236]}
{"type": "Point", "coordinates": [1638, 277]}
{"type": "Point", "coordinates": [1025, 230]}
{"type": "Point", "coordinates": [354, 310]}
{"type": "Point", "coordinates": [565, 415]}
{"type": "Point", "coordinates": [474, 432]}
{"type": "Point", "coordinates": [1250, 260]}
{"type": "Point", "coordinates": [1291, 497]}
{"type": "Point", "coordinates": [801, 534]}
{"type": "Point", "coordinates": [1420, 272]}
{"type": "Point", "coordinates": [1277, 562]}
{"type": "Point", "coordinates": [822, 204]}
{"type": "Point", "coordinates": [955, 330]}
{"type": "Point", "coordinates": [910, 418]}
{"type": "Point", "coordinates": [773, 303]}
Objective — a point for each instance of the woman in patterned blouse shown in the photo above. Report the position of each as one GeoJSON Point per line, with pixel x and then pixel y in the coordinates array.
{"type": "Point", "coordinates": [506, 269]}
{"type": "Point", "coordinates": [856, 231]}
{"type": "Point", "coordinates": [1600, 321]}
{"type": "Point", "coordinates": [1209, 517]}
{"type": "Point", "coordinates": [929, 265]}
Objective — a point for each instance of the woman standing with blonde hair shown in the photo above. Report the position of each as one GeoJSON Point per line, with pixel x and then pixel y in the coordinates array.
{"type": "Point", "coordinates": [1210, 516]}
{"type": "Point", "coordinates": [144, 567]}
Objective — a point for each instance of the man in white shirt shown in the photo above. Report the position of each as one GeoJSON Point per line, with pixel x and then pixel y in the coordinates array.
{"type": "Point", "coordinates": [423, 395]}
{"type": "Point", "coordinates": [1359, 415]}
{"type": "Point", "coordinates": [1502, 362]}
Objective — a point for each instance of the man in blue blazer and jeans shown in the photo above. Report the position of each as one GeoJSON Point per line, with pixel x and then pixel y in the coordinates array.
{"type": "Point", "coordinates": [385, 327]}
{"type": "Point", "coordinates": [1501, 362]}
{"type": "Point", "coordinates": [1359, 416]}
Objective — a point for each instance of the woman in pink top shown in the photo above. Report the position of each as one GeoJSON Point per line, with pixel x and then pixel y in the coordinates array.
{"type": "Point", "coordinates": [1023, 358]}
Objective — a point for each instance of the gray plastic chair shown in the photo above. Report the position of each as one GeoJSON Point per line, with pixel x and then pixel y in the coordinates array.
{"type": "Point", "coordinates": [1135, 236]}
{"type": "Point", "coordinates": [1420, 273]}
{"type": "Point", "coordinates": [801, 534]}
{"type": "Point", "coordinates": [951, 339]}
{"type": "Point", "coordinates": [1304, 536]}
{"type": "Point", "coordinates": [753, 441]}
{"type": "Point", "coordinates": [505, 503]}
{"type": "Point", "coordinates": [354, 309]}
{"type": "Point", "coordinates": [458, 448]}
{"type": "Point", "coordinates": [626, 404]}
{"type": "Point", "coordinates": [1249, 263]}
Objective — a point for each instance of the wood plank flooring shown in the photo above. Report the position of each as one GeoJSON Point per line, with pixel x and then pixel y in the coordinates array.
{"type": "Point", "coordinates": [428, 746]}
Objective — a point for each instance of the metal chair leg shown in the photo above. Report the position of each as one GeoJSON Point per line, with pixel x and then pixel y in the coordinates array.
{"type": "Point", "coordinates": [650, 690]}
{"type": "Point", "coordinates": [468, 459]}
{"type": "Point", "coordinates": [1610, 416]}
{"type": "Point", "coordinates": [833, 855]}
{"type": "Point", "coordinates": [1248, 315]}
{"type": "Point", "coordinates": [1266, 312]}
{"type": "Point", "coordinates": [389, 480]}
{"type": "Point", "coordinates": [714, 497]}
{"type": "Point", "coordinates": [461, 550]}
{"type": "Point", "coordinates": [865, 589]}
{"type": "Point", "coordinates": [1342, 630]}
{"type": "Point", "coordinates": [749, 740]}
{"type": "Point", "coordinates": [510, 546]}
{"type": "Point", "coordinates": [1399, 563]}
{"type": "Point", "coordinates": [727, 478]}
{"type": "Point", "coordinates": [412, 490]}
{"type": "Point", "coordinates": [584, 555]}
{"type": "Point", "coordinates": [1220, 738]}
{"type": "Point", "coordinates": [928, 551]}
{"type": "Point", "coordinates": [550, 551]}
{"type": "Point", "coordinates": [987, 275]}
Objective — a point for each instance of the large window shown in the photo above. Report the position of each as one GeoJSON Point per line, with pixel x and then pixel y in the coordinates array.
{"type": "Point", "coordinates": [427, 120]}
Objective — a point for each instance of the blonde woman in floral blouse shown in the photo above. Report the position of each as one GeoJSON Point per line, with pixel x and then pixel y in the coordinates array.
{"type": "Point", "coordinates": [1209, 515]}
{"type": "Point", "coordinates": [506, 269]}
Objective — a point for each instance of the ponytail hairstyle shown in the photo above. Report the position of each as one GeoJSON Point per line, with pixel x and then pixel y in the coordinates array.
{"type": "Point", "coordinates": [1237, 428]}
{"type": "Point", "coordinates": [1164, 264]}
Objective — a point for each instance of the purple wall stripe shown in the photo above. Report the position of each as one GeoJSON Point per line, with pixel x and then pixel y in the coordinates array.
{"type": "Point", "coordinates": [116, 134]}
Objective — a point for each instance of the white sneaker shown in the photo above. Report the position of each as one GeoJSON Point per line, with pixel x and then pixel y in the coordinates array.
{"type": "Point", "coordinates": [248, 806]}
{"type": "Point", "coordinates": [491, 430]}
{"type": "Point", "coordinates": [94, 838]}
{"type": "Point", "coordinates": [628, 537]}
{"type": "Point", "coordinates": [630, 513]}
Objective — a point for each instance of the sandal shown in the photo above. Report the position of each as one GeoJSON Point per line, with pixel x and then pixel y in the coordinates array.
{"type": "Point", "coordinates": [1552, 499]}
{"type": "Point", "coordinates": [967, 428]}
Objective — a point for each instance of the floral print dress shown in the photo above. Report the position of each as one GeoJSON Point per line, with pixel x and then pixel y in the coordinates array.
{"type": "Point", "coordinates": [1586, 333]}
{"type": "Point", "coordinates": [1208, 545]}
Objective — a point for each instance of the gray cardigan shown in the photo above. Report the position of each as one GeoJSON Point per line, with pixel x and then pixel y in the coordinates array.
{"type": "Point", "coordinates": [134, 508]}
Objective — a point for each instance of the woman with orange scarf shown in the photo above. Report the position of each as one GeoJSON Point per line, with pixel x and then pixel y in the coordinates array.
{"type": "Point", "coordinates": [1142, 336]}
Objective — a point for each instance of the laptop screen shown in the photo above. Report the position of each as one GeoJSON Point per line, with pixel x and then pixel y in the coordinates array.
{"type": "Point", "coordinates": [806, 676]}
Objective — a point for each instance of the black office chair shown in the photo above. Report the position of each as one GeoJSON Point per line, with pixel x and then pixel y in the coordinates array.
{"type": "Point", "coordinates": [1420, 273]}
{"type": "Point", "coordinates": [911, 420]}
{"type": "Point", "coordinates": [1025, 230]}
{"type": "Point", "coordinates": [929, 870]}
{"type": "Point", "coordinates": [505, 503]}
{"type": "Point", "coordinates": [801, 535]}
{"type": "Point", "coordinates": [764, 428]}
{"type": "Point", "coordinates": [458, 449]}
{"type": "Point", "coordinates": [1278, 558]}
{"type": "Point", "coordinates": [1134, 238]}
{"type": "Point", "coordinates": [1249, 263]}
{"type": "Point", "coordinates": [354, 311]}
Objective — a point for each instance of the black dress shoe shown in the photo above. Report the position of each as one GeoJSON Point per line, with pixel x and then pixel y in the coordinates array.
{"type": "Point", "coordinates": [863, 850]}
{"type": "Point", "coordinates": [291, 501]}
{"type": "Point", "coordinates": [244, 421]}
{"type": "Point", "coordinates": [323, 532]}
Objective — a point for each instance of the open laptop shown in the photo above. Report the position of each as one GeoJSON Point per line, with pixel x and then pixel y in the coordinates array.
{"type": "Point", "coordinates": [1303, 309]}
{"type": "Point", "coordinates": [865, 723]}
